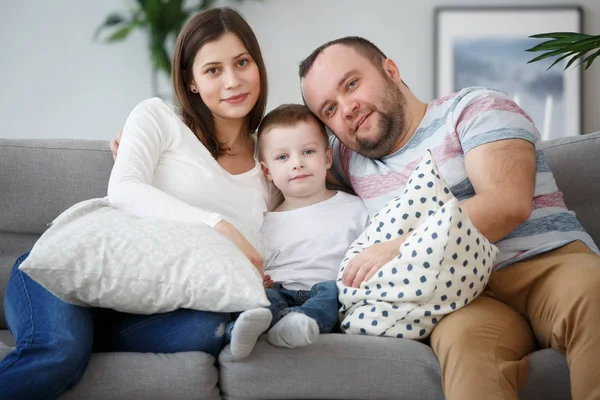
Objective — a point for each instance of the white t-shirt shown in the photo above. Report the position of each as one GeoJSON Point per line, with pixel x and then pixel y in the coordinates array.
{"type": "Point", "coordinates": [163, 171]}
{"type": "Point", "coordinates": [313, 240]}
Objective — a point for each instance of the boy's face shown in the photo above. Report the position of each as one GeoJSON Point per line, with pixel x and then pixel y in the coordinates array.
{"type": "Point", "coordinates": [296, 158]}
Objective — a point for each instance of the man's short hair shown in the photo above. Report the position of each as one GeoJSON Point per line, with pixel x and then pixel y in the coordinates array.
{"type": "Point", "coordinates": [361, 45]}
{"type": "Point", "coordinates": [289, 115]}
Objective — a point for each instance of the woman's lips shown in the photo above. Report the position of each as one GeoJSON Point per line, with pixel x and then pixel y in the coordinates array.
{"type": "Point", "coordinates": [238, 98]}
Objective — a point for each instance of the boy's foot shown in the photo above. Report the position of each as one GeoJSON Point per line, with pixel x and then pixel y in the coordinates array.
{"type": "Point", "coordinates": [248, 327]}
{"type": "Point", "coordinates": [294, 330]}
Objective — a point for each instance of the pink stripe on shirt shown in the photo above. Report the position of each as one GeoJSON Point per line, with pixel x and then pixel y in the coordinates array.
{"type": "Point", "coordinates": [488, 104]}
{"type": "Point", "coordinates": [549, 200]}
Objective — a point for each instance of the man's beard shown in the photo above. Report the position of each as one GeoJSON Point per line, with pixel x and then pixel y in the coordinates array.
{"type": "Point", "coordinates": [390, 127]}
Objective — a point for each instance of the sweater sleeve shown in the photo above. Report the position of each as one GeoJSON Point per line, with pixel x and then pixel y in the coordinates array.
{"type": "Point", "coordinates": [147, 134]}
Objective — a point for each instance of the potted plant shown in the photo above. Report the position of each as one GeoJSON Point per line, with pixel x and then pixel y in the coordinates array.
{"type": "Point", "coordinates": [161, 20]}
{"type": "Point", "coordinates": [567, 44]}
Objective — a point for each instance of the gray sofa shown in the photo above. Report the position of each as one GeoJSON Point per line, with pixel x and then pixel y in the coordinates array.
{"type": "Point", "coordinates": [41, 178]}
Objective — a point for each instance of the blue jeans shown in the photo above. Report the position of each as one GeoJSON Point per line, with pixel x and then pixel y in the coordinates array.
{"type": "Point", "coordinates": [320, 303]}
{"type": "Point", "coordinates": [55, 339]}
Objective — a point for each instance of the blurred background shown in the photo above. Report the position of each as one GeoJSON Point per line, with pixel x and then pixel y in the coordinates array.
{"type": "Point", "coordinates": [57, 81]}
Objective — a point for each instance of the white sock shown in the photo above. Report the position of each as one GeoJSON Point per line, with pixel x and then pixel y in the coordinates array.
{"type": "Point", "coordinates": [294, 330]}
{"type": "Point", "coordinates": [248, 327]}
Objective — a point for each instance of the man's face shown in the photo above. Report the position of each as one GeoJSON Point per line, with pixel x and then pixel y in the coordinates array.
{"type": "Point", "coordinates": [358, 101]}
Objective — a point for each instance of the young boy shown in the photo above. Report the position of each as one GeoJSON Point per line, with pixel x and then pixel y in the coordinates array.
{"type": "Point", "coordinates": [312, 229]}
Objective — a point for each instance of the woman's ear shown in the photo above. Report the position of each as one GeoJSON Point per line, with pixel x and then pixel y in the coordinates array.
{"type": "Point", "coordinates": [265, 170]}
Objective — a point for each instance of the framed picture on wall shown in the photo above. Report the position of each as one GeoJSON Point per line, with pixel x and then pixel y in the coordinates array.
{"type": "Point", "coordinates": [485, 46]}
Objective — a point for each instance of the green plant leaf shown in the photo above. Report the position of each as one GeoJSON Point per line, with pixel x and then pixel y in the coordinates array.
{"type": "Point", "coordinates": [572, 60]}
{"type": "Point", "coordinates": [121, 33]}
{"type": "Point", "coordinates": [550, 45]}
{"type": "Point", "coordinates": [559, 59]}
{"type": "Point", "coordinates": [590, 59]}
{"type": "Point", "coordinates": [560, 35]}
{"type": "Point", "coordinates": [111, 20]}
{"type": "Point", "coordinates": [547, 55]}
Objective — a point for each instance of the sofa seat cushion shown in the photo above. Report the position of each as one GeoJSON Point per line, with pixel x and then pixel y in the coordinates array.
{"type": "Point", "coordinates": [336, 366]}
{"type": "Point", "coordinates": [190, 375]}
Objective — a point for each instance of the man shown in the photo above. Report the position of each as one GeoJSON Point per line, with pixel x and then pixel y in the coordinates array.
{"type": "Point", "coordinates": [546, 287]}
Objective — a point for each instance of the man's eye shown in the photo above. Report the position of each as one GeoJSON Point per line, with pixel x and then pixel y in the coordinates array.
{"type": "Point", "coordinates": [329, 109]}
{"type": "Point", "coordinates": [352, 83]}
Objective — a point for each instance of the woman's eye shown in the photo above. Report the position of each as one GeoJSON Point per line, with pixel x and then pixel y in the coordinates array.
{"type": "Point", "coordinates": [243, 63]}
{"type": "Point", "coordinates": [211, 71]}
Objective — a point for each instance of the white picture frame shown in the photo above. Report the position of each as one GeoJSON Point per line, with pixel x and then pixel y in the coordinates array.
{"type": "Point", "coordinates": [485, 46]}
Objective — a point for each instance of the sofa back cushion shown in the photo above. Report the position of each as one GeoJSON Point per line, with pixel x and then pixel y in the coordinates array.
{"type": "Point", "coordinates": [39, 179]}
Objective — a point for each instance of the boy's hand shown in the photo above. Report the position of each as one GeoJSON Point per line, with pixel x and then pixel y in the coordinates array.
{"type": "Point", "coordinates": [370, 260]}
{"type": "Point", "coordinates": [268, 282]}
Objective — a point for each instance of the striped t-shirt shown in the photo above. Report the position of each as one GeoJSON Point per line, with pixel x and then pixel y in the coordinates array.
{"type": "Point", "coordinates": [451, 127]}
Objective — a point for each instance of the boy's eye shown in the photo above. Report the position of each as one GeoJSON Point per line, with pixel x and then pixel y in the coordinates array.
{"type": "Point", "coordinates": [281, 157]}
{"type": "Point", "coordinates": [309, 152]}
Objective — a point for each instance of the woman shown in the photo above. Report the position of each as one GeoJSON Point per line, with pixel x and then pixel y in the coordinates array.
{"type": "Point", "coordinates": [194, 165]}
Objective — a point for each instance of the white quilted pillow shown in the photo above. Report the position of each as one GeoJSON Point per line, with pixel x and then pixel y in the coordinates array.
{"type": "Point", "coordinates": [441, 267]}
{"type": "Point", "coordinates": [96, 255]}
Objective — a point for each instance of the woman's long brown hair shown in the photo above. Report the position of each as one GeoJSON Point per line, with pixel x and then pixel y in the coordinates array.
{"type": "Point", "coordinates": [208, 26]}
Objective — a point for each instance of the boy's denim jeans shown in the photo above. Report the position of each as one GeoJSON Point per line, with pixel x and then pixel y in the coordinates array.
{"type": "Point", "coordinates": [320, 303]}
{"type": "Point", "coordinates": [55, 339]}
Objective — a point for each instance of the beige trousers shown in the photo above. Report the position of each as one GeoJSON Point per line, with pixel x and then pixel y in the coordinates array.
{"type": "Point", "coordinates": [552, 300]}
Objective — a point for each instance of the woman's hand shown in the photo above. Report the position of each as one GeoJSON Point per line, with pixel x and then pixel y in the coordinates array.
{"type": "Point", "coordinates": [243, 244]}
{"type": "Point", "coordinates": [114, 144]}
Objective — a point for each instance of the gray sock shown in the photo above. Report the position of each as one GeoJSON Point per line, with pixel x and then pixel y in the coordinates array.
{"type": "Point", "coordinates": [294, 330]}
{"type": "Point", "coordinates": [247, 329]}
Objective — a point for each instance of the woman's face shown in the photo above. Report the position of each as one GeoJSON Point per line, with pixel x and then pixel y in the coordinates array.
{"type": "Point", "coordinates": [226, 77]}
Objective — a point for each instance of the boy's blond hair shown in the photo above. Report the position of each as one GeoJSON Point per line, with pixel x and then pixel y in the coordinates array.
{"type": "Point", "coordinates": [289, 115]}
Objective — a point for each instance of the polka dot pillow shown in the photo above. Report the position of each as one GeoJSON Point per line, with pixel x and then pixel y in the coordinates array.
{"type": "Point", "coordinates": [441, 267]}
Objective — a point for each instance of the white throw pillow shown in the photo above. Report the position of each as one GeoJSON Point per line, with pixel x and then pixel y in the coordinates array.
{"type": "Point", "coordinates": [96, 255]}
{"type": "Point", "coordinates": [441, 267]}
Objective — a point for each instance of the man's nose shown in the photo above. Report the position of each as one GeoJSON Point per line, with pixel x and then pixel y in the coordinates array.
{"type": "Point", "coordinates": [349, 107]}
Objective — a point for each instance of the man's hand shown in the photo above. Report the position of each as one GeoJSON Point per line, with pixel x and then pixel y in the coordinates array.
{"type": "Point", "coordinates": [366, 264]}
{"type": "Point", "coordinates": [114, 144]}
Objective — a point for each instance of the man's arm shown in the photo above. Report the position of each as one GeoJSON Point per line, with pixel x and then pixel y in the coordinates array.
{"type": "Point", "coordinates": [503, 176]}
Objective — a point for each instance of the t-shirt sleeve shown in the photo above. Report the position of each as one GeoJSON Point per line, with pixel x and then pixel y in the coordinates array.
{"type": "Point", "coordinates": [145, 138]}
{"type": "Point", "coordinates": [483, 116]}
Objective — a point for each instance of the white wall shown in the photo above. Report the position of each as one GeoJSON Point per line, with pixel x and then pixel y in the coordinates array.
{"type": "Point", "coordinates": [57, 82]}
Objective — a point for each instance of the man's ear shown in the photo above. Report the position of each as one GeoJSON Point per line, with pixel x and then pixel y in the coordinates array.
{"type": "Point", "coordinates": [329, 155]}
{"type": "Point", "coordinates": [265, 170]}
{"type": "Point", "coordinates": [391, 69]}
